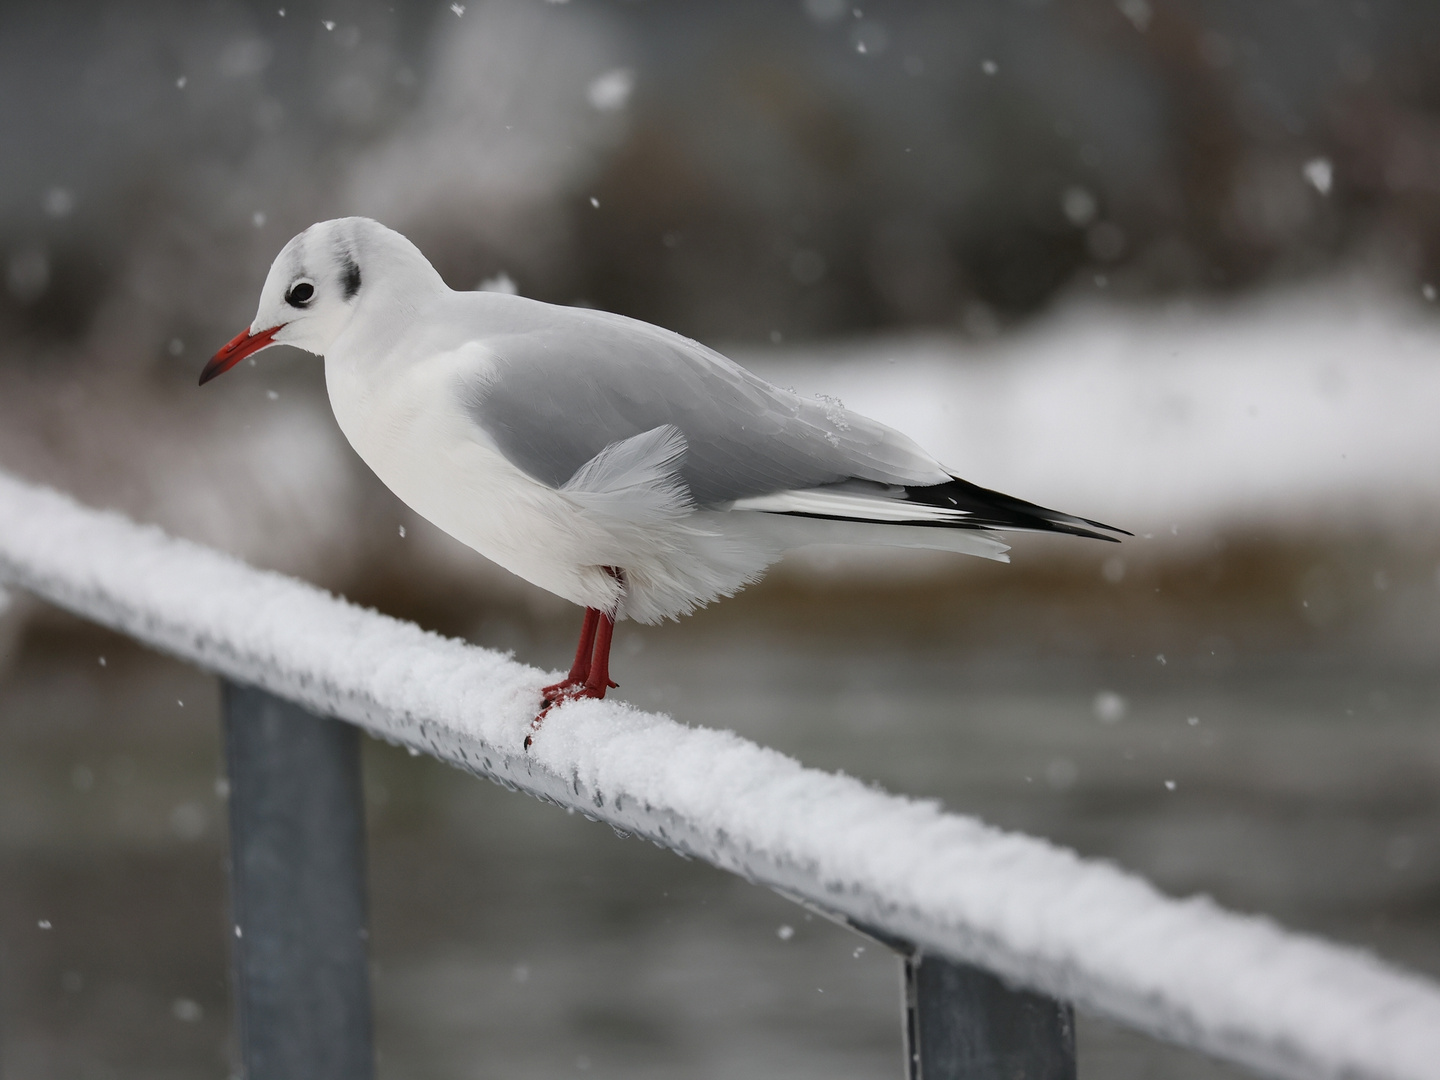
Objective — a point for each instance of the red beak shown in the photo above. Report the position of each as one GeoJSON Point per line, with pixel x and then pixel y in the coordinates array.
{"type": "Point", "coordinates": [240, 346]}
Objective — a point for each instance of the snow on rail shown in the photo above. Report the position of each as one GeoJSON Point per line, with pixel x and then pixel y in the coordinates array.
{"type": "Point", "coordinates": [1236, 986]}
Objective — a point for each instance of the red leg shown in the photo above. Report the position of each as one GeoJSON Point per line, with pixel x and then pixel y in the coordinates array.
{"type": "Point", "coordinates": [599, 678]}
{"type": "Point", "coordinates": [580, 669]}
{"type": "Point", "coordinates": [590, 674]}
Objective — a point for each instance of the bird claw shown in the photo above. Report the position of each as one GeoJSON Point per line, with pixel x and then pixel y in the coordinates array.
{"type": "Point", "coordinates": [564, 690]}
{"type": "Point", "coordinates": [558, 694]}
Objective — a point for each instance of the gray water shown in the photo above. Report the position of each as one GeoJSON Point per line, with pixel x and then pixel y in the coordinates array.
{"type": "Point", "coordinates": [513, 940]}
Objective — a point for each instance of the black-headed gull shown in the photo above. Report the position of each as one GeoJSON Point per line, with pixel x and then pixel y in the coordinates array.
{"type": "Point", "coordinates": [621, 466]}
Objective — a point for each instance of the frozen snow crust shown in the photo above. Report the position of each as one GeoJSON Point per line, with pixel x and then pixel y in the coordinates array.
{"type": "Point", "coordinates": [1236, 986]}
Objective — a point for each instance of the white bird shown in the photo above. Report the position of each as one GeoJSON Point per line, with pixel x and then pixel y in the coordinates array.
{"type": "Point", "coordinates": [621, 466]}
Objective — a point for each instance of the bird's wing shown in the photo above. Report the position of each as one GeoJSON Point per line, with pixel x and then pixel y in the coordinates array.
{"type": "Point", "coordinates": [558, 390]}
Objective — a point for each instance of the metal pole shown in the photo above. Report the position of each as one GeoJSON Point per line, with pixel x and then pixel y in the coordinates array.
{"type": "Point", "coordinates": [962, 1023]}
{"type": "Point", "coordinates": [297, 887]}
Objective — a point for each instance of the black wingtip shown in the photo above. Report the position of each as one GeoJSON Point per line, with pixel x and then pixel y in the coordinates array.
{"type": "Point", "coordinates": [986, 509]}
{"type": "Point", "coordinates": [1078, 521]}
{"type": "Point", "coordinates": [1110, 528]}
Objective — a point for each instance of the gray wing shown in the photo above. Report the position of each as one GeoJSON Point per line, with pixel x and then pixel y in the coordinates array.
{"type": "Point", "coordinates": [569, 382]}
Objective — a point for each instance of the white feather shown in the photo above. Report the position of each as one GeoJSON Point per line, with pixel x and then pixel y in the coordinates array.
{"type": "Point", "coordinates": [849, 505]}
{"type": "Point", "coordinates": [634, 479]}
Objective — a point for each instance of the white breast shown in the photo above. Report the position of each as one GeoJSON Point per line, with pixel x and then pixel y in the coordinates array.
{"type": "Point", "coordinates": [408, 422]}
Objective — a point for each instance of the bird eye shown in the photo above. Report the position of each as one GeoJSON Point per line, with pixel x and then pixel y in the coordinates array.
{"type": "Point", "coordinates": [300, 294]}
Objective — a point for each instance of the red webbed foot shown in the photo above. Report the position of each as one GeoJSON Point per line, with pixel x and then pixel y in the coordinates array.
{"type": "Point", "coordinates": [561, 692]}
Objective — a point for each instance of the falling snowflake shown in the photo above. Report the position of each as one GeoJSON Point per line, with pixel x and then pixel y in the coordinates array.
{"type": "Point", "coordinates": [611, 91]}
{"type": "Point", "coordinates": [1321, 174]}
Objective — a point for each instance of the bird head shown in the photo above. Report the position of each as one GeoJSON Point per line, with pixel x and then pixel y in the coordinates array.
{"type": "Point", "coordinates": [316, 284]}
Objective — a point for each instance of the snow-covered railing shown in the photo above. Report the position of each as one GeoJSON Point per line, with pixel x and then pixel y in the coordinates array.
{"type": "Point", "coordinates": [944, 886]}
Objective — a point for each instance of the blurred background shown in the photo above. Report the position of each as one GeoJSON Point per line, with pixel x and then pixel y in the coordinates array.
{"type": "Point", "coordinates": [1167, 263]}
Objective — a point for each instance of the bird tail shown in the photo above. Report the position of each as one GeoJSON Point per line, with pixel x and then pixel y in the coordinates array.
{"type": "Point", "coordinates": [954, 504]}
{"type": "Point", "coordinates": [986, 509]}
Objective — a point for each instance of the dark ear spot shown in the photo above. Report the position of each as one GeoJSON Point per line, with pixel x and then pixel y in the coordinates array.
{"type": "Point", "coordinates": [350, 277]}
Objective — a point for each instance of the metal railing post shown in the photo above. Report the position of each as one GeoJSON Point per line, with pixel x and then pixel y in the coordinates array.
{"type": "Point", "coordinates": [962, 1023]}
{"type": "Point", "coordinates": [297, 886]}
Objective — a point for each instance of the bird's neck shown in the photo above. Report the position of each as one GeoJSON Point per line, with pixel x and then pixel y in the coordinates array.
{"type": "Point", "coordinates": [382, 322]}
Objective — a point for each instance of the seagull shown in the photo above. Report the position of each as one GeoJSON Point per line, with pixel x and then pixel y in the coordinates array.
{"type": "Point", "coordinates": [621, 466]}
